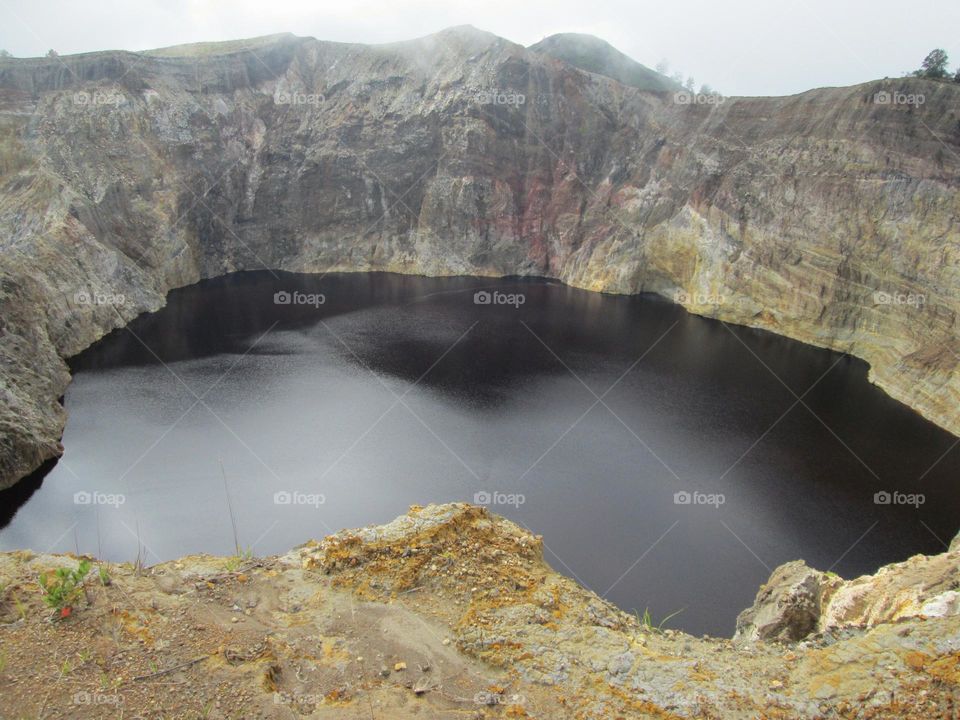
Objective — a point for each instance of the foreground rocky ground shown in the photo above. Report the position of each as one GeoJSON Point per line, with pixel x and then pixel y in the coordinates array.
{"type": "Point", "coordinates": [451, 612]}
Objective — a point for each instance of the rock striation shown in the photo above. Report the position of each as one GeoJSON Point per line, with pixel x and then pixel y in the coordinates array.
{"type": "Point", "coordinates": [828, 216]}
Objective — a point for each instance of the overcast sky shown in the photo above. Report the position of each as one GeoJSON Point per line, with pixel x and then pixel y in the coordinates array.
{"type": "Point", "coordinates": [740, 47]}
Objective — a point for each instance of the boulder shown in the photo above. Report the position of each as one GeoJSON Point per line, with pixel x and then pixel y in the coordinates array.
{"type": "Point", "coordinates": [788, 606]}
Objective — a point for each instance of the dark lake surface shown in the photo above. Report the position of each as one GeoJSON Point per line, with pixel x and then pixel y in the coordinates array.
{"type": "Point", "coordinates": [579, 415]}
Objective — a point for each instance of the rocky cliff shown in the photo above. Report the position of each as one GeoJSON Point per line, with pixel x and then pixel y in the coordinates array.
{"type": "Point", "coordinates": [450, 611]}
{"type": "Point", "coordinates": [828, 216]}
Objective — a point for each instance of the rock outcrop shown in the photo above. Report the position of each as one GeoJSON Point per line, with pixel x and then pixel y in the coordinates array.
{"type": "Point", "coordinates": [788, 607]}
{"type": "Point", "coordinates": [447, 610]}
{"type": "Point", "coordinates": [829, 216]}
{"type": "Point", "coordinates": [797, 601]}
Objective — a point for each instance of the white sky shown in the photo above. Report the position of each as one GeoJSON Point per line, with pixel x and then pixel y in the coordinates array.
{"type": "Point", "coordinates": [739, 47]}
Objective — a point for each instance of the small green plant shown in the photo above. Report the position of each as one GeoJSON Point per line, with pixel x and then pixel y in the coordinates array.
{"type": "Point", "coordinates": [647, 619]}
{"type": "Point", "coordinates": [108, 683]}
{"type": "Point", "coordinates": [103, 575]}
{"type": "Point", "coordinates": [233, 563]}
{"type": "Point", "coordinates": [63, 589]}
{"type": "Point", "coordinates": [21, 608]}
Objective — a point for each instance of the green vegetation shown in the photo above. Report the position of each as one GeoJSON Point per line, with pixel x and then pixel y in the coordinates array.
{"type": "Point", "coordinates": [934, 67]}
{"type": "Point", "coordinates": [21, 608]}
{"type": "Point", "coordinates": [647, 619]}
{"type": "Point", "coordinates": [234, 562]}
{"type": "Point", "coordinates": [63, 589]}
{"type": "Point", "coordinates": [109, 683]}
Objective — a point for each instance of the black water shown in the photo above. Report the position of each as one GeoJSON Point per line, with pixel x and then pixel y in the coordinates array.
{"type": "Point", "coordinates": [401, 390]}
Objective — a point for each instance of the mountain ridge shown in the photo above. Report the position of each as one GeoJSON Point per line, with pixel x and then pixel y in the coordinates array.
{"type": "Point", "coordinates": [546, 47]}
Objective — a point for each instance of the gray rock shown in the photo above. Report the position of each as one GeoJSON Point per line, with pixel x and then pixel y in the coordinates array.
{"type": "Point", "coordinates": [620, 664]}
{"type": "Point", "coordinates": [787, 607]}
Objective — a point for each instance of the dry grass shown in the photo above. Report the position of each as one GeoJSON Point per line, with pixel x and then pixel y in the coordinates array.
{"type": "Point", "coordinates": [13, 156]}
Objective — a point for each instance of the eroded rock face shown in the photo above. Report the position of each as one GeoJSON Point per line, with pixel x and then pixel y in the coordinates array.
{"type": "Point", "coordinates": [798, 602]}
{"type": "Point", "coordinates": [824, 216]}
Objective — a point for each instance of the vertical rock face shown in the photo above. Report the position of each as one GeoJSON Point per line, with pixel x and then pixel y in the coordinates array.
{"type": "Point", "coordinates": [829, 216]}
